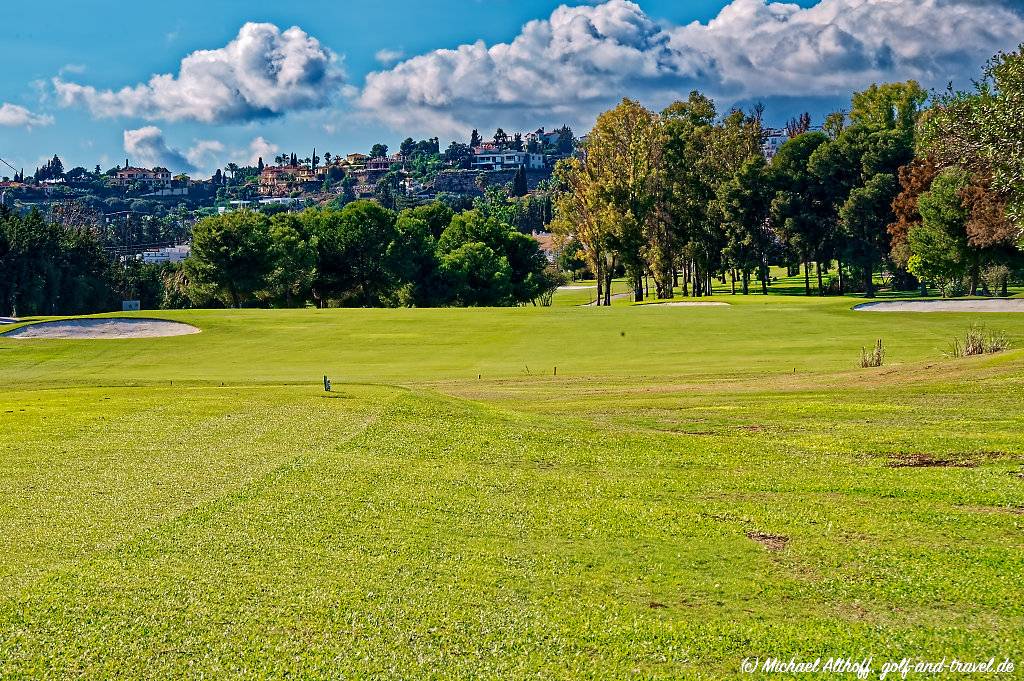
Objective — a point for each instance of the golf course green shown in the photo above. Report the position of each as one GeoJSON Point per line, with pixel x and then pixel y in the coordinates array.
{"type": "Point", "coordinates": [639, 491]}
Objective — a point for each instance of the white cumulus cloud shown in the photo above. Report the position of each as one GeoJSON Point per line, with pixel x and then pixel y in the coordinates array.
{"type": "Point", "coordinates": [147, 147]}
{"type": "Point", "coordinates": [261, 73]}
{"type": "Point", "coordinates": [259, 148]}
{"type": "Point", "coordinates": [14, 116]}
{"type": "Point", "coordinates": [388, 56]}
{"type": "Point", "coordinates": [205, 153]}
{"type": "Point", "coordinates": [581, 60]}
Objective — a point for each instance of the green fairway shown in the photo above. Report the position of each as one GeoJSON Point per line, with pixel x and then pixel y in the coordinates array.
{"type": "Point", "coordinates": [693, 487]}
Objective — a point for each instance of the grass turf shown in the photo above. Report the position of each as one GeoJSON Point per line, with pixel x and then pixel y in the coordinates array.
{"type": "Point", "coordinates": [675, 499]}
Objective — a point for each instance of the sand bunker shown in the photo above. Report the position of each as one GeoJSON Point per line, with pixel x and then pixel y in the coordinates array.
{"type": "Point", "coordinates": [103, 328]}
{"type": "Point", "coordinates": [694, 304]}
{"type": "Point", "coordinates": [7, 320]}
{"type": "Point", "coordinates": [985, 305]}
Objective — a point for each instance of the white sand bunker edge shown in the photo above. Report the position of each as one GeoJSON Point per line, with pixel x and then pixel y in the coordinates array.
{"type": "Point", "coordinates": [982, 305]}
{"type": "Point", "coordinates": [81, 329]}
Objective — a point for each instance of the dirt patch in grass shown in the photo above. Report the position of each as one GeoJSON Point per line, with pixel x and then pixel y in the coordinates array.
{"type": "Point", "coordinates": [954, 460]}
{"type": "Point", "coordinates": [772, 542]}
{"type": "Point", "coordinates": [928, 461]}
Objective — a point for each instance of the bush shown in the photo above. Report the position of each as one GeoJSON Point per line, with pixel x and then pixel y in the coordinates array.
{"type": "Point", "coordinates": [996, 277]}
{"type": "Point", "coordinates": [952, 288]}
{"type": "Point", "coordinates": [873, 358]}
{"type": "Point", "coordinates": [979, 341]}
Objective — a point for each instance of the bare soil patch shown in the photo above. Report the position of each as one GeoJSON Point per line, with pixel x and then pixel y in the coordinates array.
{"type": "Point", "coordinates": [927, 461]}
{"type": "Point", "coordinates": [112, 328]}
{"type": "Point", "coordinates": [772, 542]}
{"type": "Point", "coordinates": [982, 305]}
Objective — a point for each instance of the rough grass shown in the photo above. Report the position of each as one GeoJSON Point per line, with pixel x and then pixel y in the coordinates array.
{"type": "Point", "coordinates": [674, 500]}
{"type": "Point", "coordinates": [979, 341]}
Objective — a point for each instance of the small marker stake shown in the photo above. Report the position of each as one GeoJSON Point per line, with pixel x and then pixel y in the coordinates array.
{"type": "Point", "coordinates": [556, 371]}
{"type": "Point", "coordinates": [327, 384]}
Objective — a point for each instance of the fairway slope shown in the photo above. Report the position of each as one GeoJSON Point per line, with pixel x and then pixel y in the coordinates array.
{"type": "Point", "coordinates": [685, 491]}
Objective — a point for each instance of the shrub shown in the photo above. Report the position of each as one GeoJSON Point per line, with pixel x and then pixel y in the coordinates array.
{"type": "Point", "coordinates": [996, 278]}
{"type": "Point", "coordinates": [979, 341]}
{"type": "Point", "coordinates": [953, 287]}
{"type": "Point", "coordinates": [872, 358]}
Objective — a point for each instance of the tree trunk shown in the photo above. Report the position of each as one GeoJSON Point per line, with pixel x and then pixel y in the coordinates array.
{"type": "Point", "coordinates": [842, 282]}
{"type": "Point", "coordinates": [733, 277]}
{"type": "Point", "coordinates": [765, 275]}
{"type": "Point", "coordinates": [975, 276]}
{"type": "Point", "coordinates": [638, 288]}
{"type": "Point", "coordinates": [746, 282]}
{"type": "Point", "coordinates": [599, 275]}
{"type": "Point", "coordinates": [821, 286]}
{"type": "Point", "coordinates": [608, 275]}
{"type": "Point", "coordinates": [807, 278]}
{"type": "Point", "coordinates": [869, 280]}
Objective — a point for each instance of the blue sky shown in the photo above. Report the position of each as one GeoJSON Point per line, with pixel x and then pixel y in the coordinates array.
{"type": "Point", "coordinates": [66, 62]}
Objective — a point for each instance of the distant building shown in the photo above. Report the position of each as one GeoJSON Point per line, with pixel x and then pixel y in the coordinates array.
{"type": "Point", "coordinates": [544, 137]}
{"type": "Point", "coordinates": [281, 180]}
{"type": "Point", "coordinates": [168, 254]}
{"type": "Point", "coordinates": [546, 241]}
{"type": "Point", "coordinates": [486, 158]}
{"type": "Point", "coordinates": [384, 162]}
{"type": "Point", "coordinates": [773, 140]}
{"type": "Point", "coordinates": [157, 178]}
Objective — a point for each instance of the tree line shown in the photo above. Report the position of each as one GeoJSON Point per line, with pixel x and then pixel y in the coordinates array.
{"type": "Point", "coordinates": [361, 255]}
{"type": "Point", "coordinates": [365, 255]}
{"type": "Point", "coordinates": [923, 190]}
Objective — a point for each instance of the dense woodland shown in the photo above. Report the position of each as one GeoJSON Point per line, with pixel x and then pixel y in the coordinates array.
{"type": "Point", "coordinates": [915, 189]}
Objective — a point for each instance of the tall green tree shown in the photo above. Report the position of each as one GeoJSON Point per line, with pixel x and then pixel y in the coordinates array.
{"type": "Point", "coordinates": [231, 254]}
{"type": "Point", "coordinates": [360, 257]}
{"type": "Point", "coordinates": [624, 160]}
{"type": "Point", "coordinates": [865, 217]}
{"type": "Point", "coordinates": [691, 235]}
{"type": "Point", "coordinates": [799, 210]}
{"type": "Point", "coordinates": [519, 186]}
{"type": "Point", "coordinates": [293, 252]}
{"type": "Point", "coordinates": [938, 243]}
{"type": "Point", "coordinates": [745, 203]}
